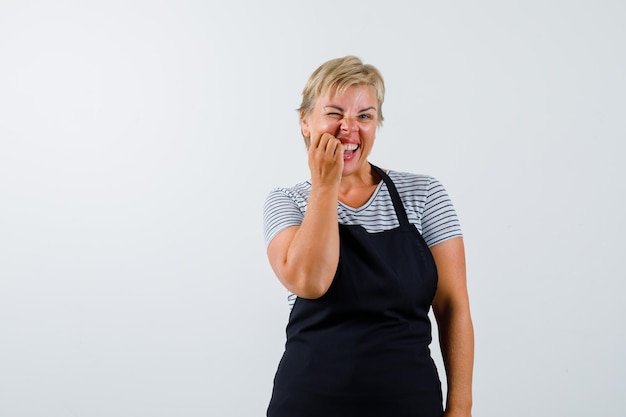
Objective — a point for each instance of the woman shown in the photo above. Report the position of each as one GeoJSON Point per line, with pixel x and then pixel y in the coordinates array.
{"type": "Point", "coordinates": [365, 253]}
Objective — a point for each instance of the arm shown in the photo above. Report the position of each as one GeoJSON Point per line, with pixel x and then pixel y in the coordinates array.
{"type": "Point", "coordinates": [305, 257]}
{"type": "Point", "coordinates": [456, 333]}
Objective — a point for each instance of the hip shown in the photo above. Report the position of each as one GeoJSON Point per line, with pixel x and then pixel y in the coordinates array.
{"type": "Point", "coordinates": [357, 372]}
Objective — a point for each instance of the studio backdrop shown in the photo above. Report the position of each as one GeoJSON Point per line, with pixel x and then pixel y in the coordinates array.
{"type": "Point", "coordinates": [138, 141]}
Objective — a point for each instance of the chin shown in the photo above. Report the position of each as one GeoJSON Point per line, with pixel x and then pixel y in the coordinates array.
{"type": "Point", "coordinates": [352, 166]}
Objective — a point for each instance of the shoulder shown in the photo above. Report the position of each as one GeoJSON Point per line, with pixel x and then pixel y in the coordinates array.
{"type": "Point", "coordinates": [296, 196]}
{"type": "Point", "coordinates": [410, 182]}
{"type": "Point", "coordinates": [428, 203]}
{"type": "Point", "coordinates": [415, 189]}
{"type": "Point", "coordinates": [284, 207]}
{"type": "Point", "coordinates": [297, 192]}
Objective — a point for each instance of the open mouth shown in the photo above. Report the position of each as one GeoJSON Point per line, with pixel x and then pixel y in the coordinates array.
{"type": "Point", "coordinates": [349, 149]}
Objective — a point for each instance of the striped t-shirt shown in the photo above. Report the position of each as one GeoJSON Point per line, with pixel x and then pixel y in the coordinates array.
{"type": "Point", "coordinates": [425, 200]}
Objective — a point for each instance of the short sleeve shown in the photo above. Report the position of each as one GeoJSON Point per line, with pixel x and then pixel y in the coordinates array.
{"type": "Point", "coordinates": [280, 211]}
{"type": "Point", "coordinates": [439, 221]}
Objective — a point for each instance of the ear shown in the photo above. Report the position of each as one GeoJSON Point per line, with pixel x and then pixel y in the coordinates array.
{"type": "Point", "coordinates": [304, 125]}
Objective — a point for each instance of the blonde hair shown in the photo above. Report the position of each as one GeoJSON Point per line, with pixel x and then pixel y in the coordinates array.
{"type": "Point", "coordinates": [337, 75]}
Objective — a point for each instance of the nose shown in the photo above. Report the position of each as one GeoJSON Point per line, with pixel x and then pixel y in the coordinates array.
{"type": "Point", "coordinates": [349, 125]}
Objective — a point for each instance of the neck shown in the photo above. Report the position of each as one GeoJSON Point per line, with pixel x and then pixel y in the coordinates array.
{"type": "Point", "coordinates": [357, 188]}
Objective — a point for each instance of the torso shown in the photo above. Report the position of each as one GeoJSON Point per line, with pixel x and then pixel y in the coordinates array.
{"type": "Point", "coordinates": [362, 348]}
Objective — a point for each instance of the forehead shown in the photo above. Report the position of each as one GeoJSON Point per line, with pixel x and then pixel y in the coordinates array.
{"type": "Point", "coordinates": [356, 94]}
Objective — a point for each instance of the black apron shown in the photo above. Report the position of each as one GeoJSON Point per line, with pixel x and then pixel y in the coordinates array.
{"type": "Point", "coordinates": [362, 349]}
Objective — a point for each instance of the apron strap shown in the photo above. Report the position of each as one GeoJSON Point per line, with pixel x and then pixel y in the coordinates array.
{"type": "Point", "coordinates": [395, 197]}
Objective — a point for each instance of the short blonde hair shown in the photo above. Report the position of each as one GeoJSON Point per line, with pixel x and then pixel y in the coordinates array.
{"type": "Point", "coordinates": [337, 75]}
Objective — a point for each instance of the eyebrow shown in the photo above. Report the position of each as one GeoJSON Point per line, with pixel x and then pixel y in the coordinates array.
{"type": "Point", "coordinates": [340, 109]}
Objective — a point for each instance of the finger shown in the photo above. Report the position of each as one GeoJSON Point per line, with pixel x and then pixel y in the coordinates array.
{"type": "Point", "coordinates": [339, 148]}
{"type": "Point", "coordinates": [315, 141]}
{"type": "Point", "coordinates": [332, 146]}
{"type": "Point", "coordinates": [328, 142]}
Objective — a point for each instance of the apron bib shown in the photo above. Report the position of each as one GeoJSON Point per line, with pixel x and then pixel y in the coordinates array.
{"type": "Point", "coordinates": [362, 349]}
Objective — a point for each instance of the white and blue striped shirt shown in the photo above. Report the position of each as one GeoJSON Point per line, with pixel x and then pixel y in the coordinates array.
{"type": "Point", "coordinates": [425, 200]}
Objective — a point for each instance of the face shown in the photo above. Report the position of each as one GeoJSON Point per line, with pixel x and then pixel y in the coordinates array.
{"type": "Point", "coordinates": [351, 117]}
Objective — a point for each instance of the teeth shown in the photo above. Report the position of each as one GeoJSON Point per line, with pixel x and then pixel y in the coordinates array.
{"type": "Point", "coordinates": [350, 146]}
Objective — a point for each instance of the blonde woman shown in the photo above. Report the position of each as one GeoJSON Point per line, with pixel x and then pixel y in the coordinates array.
{"type": "Point", "coordinates": [365, 252]}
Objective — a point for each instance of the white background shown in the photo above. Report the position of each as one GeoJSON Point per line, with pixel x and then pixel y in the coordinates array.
{"type": "Point", "coordinates": [140, 138]}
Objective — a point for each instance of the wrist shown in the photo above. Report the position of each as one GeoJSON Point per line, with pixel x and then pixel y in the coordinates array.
{"type": "Point", "coordinates": [324, 190]}
{"type": "Point", "coordinates": [459, 407]}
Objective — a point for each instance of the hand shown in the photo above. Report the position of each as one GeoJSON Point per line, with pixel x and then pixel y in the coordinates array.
{"type": "Point", "coordinates": [326, 160]}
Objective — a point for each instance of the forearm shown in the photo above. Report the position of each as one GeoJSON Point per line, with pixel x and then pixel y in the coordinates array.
{"type": "Point", "coordinates": [305, 257]}
{"type": "Point", "coordinates": [456, 338]}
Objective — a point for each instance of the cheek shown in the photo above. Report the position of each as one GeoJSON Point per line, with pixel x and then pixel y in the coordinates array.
{"type": "Point", "coordinates": [325, 126]}
{"type": "Point", "coordinates": [369, 133]}
{"type": "Point", "coordinates": [328, 123]}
